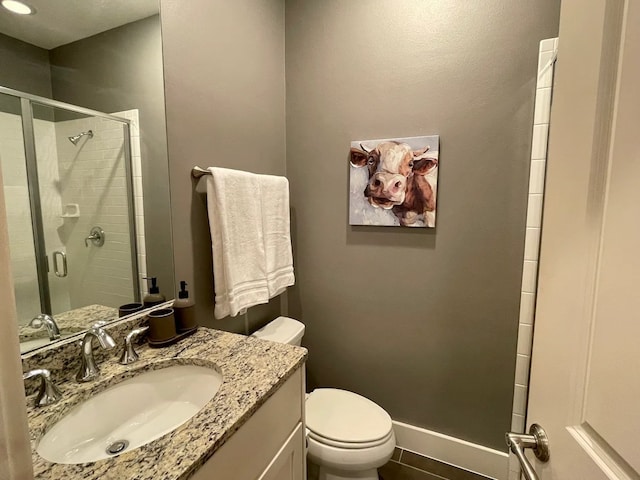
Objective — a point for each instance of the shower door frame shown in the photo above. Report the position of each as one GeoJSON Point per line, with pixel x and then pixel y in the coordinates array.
{"type": "Point", "coordinates": [42, 262]}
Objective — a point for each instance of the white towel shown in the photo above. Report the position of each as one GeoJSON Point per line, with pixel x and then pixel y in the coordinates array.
{"type": "Point", "coordinates": [250, 234]}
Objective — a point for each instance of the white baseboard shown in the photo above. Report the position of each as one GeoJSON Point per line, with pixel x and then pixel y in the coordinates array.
{"type": "Point", "coordinates": [469, 456]}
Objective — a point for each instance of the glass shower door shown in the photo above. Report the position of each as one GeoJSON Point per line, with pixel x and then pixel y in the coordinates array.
{"type": "Point", "coordinates": [17, 197]}
{"type": "Point", "coordinates": [85, 195]}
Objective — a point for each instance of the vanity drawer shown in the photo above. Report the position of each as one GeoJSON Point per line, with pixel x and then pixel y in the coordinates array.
{"type": "Point", "coordinates": [273, 432]}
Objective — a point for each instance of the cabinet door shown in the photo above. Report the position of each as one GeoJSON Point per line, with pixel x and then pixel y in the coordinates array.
{"type": "Point", "coordinates": [252, 450]}
{"type": "Point", "coordinates": [288, 464]}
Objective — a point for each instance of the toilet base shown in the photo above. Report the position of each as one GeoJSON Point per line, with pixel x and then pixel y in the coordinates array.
{"type": "Point", "coordinates": [331, 474]}
{"type": "Point", "coordinates": [332, 463]}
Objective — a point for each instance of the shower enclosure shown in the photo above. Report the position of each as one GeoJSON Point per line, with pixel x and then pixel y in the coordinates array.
{"type": "Point", "coordinates": [69, 190]}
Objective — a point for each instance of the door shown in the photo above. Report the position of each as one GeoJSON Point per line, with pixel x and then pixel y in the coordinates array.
{"type": "Point", "coordinates": [15, 185]}
{"type": "Point", "coordinates": [585, 377]}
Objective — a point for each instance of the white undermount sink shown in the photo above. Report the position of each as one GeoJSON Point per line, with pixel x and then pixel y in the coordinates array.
{"type": "Point", "coordinates": [130, 414]}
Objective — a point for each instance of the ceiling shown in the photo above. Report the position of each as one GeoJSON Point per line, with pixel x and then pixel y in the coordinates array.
{"type": "Point", "coordinates": [58, 22]}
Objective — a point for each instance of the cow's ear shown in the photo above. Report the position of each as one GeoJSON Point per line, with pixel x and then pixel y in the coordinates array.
{"type": "Point", "coordinates": [422, 166]}
{"type": "Point", "coordinates": [357, 157]}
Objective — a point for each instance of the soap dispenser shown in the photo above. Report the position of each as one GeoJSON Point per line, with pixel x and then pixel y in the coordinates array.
{"type": "Point", "coordinates": [184, 309]}
{"type": "Point", "coordinates": [154, 297]}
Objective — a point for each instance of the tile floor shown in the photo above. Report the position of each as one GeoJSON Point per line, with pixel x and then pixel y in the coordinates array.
{"type": "Point", "coordinates": [406, 465]}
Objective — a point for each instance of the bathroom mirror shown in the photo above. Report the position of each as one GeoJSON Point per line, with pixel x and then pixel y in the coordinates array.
{"type": "Point", "coordinates": [84, 161]}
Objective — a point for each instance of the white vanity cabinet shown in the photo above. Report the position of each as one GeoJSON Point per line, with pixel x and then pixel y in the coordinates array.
{"type": "Point", "coordinates": [268, 446]}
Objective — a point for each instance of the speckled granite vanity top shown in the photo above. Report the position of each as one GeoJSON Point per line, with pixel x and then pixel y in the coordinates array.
{"type": "Point", "coordinates": [73, 321]}
{"type": "Point", "coordinates": [252, 371]}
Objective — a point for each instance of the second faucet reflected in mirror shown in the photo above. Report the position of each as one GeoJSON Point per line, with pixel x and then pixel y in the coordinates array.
{"type": "Point", "coordinates": [46, 321]}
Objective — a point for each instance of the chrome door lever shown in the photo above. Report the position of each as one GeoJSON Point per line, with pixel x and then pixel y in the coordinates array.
{"type": "Point", "coordinates": [537, 440]}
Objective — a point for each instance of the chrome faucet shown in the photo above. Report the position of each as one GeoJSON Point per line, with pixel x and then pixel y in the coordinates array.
{"type": "Point", "coordinates": [47, 321]}
{"type": "Point", "coordinates": [88, 368]}
{"type": "Point", "coordinates": [129, 355]}
{"type": "Point", "coordinates": [48, 393]}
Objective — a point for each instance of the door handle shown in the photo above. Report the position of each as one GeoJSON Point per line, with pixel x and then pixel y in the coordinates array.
{"type": "Point", "coordinates": [56, 268]}
{"type": "Point", "coordinates": [537, 440]}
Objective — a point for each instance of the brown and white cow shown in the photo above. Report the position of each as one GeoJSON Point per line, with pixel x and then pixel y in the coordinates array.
{"type": "Point", "coordinates": [396, 179]}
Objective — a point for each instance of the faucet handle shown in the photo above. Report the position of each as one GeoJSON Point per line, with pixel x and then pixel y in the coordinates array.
{"type": "Point", "coordinates": [129, 355]}
{"type": "Point", "coordinates": [36, 322]}
{"type": "Point", "coordinates": [106, 341]}
{"type": "Point", "coordinates": [48, 393]}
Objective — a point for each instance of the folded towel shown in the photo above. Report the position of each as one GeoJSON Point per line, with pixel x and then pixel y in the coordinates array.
{"type": "Point", "coordinates": [250, 234]}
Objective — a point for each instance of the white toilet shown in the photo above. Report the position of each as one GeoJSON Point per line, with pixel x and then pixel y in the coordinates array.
{"type": "Point", "coordinates": [348, 435]}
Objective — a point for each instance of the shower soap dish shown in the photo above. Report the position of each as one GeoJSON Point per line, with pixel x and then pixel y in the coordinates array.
{"type": "Point", "coordinates": [71, 210]}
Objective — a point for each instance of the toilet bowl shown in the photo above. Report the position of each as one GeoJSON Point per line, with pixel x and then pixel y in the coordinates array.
{"type": "Point", "coordinates": [348, 435]}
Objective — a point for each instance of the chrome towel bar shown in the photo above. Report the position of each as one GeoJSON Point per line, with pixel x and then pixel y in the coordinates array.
{"type": "Point", "coordinates": [197, 172]}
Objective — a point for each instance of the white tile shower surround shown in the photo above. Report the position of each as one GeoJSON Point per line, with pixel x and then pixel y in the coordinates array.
{"type": "Point", "coordinates": [51, 144]}
{"type": "Point", "coordinates": [93, 176]}
{"type": "Point", "coordinates": [98, 164]}
{"type": "Point", "coordinates": [542, 110]}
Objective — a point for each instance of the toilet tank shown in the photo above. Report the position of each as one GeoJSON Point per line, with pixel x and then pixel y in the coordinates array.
{"type": "Point", "coordinates": [282, 330]}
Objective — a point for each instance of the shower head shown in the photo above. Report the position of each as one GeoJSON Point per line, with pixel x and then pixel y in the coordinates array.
{"type": "Point", "coordinates": [76, 138]}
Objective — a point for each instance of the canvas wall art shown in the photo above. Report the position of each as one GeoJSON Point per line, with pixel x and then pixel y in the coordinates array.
{"type": "Point", "coordinates": [394, 182]}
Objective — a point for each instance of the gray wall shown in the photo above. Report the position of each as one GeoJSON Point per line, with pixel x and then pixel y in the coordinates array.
{"type": "Point", "coordinates": [225, 94]}
{"type": "Point", "coordinates": [117, 70]}
{"type": "Point", "coordinates": [424, 322]}
{"type": "Point", "coordinates": [23, 67]}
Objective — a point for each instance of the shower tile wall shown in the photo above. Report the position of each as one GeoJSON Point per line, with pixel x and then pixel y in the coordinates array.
{"type": "Point", "coordinates": [542, 109]}
{"type": "Point", "coordinates": [93, 176]}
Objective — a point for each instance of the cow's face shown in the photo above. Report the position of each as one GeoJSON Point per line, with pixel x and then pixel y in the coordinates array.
{"type": "Point", "coordinates": [389, 165]}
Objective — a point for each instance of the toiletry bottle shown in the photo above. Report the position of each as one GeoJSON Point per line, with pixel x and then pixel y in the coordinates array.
{"type": "Point", "coordinates": [154, 297]}
{"type": "Point", "coordinates": [184, 309]}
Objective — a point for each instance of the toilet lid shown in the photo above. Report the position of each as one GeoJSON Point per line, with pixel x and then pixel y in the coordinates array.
{"type": "Point", "coordinates": [345, 416]}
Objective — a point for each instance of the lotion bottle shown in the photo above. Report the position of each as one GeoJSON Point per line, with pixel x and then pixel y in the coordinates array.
{"type": "Point", "coordinates": [184, 309]}
{"type": "Point", "coordinates": [154, 297]}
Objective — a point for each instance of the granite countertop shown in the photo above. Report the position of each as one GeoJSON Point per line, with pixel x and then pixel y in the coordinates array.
{"type": "Point", "coordinates": [72, 321]}
{"type": "Point", "coordinates": [252, 371]}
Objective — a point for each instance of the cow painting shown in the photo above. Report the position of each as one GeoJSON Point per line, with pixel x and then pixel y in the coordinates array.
{"type": "Point", "coordinates": [393, 182]}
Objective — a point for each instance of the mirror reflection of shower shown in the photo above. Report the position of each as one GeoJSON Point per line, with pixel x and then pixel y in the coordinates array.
{"type": "Point", "coordinates": [72, 189]}
{"type": "Point", "coordinates": [76, 138]}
